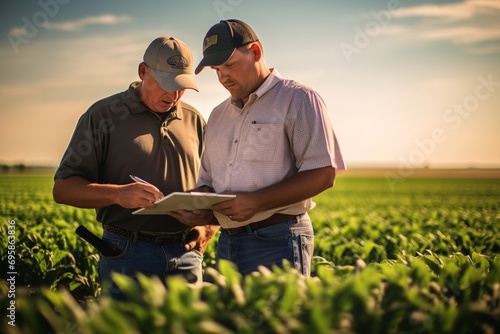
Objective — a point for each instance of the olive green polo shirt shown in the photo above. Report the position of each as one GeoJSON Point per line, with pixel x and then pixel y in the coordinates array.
{"type": "Point", "coordinates": [119, 136]}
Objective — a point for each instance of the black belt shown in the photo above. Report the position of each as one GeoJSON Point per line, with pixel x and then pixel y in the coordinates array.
{"type": "Point", "coordinates": [157, 239]}
{"type": "Point", "coordinates": [274, 219]}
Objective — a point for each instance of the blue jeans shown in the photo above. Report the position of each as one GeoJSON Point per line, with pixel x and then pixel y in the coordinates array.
{"type": "Point", "coordinates": [149, 259]}
{"type": "Point", "coordinates": [291, 240]}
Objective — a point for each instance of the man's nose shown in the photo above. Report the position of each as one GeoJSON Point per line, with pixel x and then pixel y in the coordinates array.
{"type": "Point", "coordinates": [223, 76]}
{"type": "Point", "coordinates": [174, 94]}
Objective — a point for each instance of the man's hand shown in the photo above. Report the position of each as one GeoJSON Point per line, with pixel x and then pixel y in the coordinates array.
{"type": "Point", "coordinates": [199, 236]}
{"type": "Point", "coordinates": [138, 195]}
{"type": "Point", "coordinates": [193, 218]}
{"type": "Point", "coordinates": [241, 208]}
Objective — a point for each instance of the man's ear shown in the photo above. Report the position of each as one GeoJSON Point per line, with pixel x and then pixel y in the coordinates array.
{"type": "Point", "coordinates": [256, 51]}
{"type": "Point", "coordinates": [142, 70]}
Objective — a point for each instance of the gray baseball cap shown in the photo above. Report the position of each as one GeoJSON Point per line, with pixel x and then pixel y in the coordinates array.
{"type": "Point", "coordinates": [171, 62]}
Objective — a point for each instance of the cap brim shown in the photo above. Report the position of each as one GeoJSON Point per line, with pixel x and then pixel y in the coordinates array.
{"type": "Point", "coordinates": [173, 81]}
{"type": "Point", "coordinates": [214, 59]}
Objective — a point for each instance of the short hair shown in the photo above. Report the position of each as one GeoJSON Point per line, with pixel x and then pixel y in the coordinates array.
{"type": "Point", "coordinates": [246, 48]}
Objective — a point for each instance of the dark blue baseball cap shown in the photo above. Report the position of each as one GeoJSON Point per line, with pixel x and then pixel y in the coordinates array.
{"type": "Point", "coordinates": [221, 41]}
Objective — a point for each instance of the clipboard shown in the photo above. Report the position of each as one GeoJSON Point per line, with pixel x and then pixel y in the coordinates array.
{"type": "Point", "coordinates": [188, 201]}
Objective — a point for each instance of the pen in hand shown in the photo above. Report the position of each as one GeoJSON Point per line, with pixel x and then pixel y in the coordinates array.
{"type": "Point", "coordinates": [138, 179]}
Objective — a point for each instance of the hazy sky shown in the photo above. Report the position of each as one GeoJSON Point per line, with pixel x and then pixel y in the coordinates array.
{"type": "Point", "coordinates": [408, 83]}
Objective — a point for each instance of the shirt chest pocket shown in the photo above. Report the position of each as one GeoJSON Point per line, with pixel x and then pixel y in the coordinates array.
{"type": "Point", "coordinates": [264, 142]}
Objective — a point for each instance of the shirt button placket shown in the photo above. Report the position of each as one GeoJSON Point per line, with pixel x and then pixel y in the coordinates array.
{"type": "Point", "coordinates": [234, 150]}
{"type": "Point", "coordinates": [164, 131]}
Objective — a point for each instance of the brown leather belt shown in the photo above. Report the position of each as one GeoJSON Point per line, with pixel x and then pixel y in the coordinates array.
{"type": "Point", "coordinates": [157, 239]}
{"type": "Point", "coordinates": [274, 219]}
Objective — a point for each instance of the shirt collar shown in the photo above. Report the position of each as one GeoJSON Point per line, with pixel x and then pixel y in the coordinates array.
{"type": "Point", "coordinates": [176, 112]}
{"type": "Point", "coordinates": [272, 79]}
{"type": "Point", "coordinates": [132, 99]}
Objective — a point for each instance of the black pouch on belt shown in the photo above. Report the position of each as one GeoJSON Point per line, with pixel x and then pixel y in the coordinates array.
{"type": "Point", "coordinates": [95, 241]}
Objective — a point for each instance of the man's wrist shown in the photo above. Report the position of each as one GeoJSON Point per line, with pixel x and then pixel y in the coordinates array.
{"type": "Point", "coordinates": [210, 230]}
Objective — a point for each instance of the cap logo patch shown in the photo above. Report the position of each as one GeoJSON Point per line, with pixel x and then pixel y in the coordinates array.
{"type": "Point", "coordinates": [178, 62]}
{"type": "Point", "coordinates": [209, 41]}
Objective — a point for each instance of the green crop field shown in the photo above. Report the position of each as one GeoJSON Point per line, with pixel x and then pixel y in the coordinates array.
{"type": "Point", "coordinates": [420, 255]}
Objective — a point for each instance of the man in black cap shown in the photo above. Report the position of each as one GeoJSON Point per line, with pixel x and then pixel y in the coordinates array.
{"type": "Point", "coordinates": [148, 132]}
{"type": "Point", "coordinates": [271, 144]}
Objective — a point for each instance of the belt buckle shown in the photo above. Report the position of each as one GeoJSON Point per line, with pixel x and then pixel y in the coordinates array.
{"type": "Point", "coordinates": [232, 231]}
{"type": "Point", "coordinates": [239, 230]}
{"type": "Point", "coordinates": [169, 238]}
{"type": "Point", "coordinates": [248, 229]}
{"type": "Point", "coordinates": [158, 239]}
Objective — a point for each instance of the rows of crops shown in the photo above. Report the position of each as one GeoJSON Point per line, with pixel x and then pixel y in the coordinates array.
{"type": "Point", "coordinates": [421, 257]}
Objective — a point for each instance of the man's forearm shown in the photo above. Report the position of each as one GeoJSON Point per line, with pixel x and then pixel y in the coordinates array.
{"type": "Point", "coordinates": [297, 188]}
{"type": "Point", "coordinates": [78, 192]}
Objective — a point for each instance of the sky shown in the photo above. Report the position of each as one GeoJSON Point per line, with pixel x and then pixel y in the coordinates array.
{"type": "Point", "coordinates": [408, 83]}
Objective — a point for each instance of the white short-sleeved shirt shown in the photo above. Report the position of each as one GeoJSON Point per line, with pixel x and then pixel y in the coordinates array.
{"type": "Point", "coordinates": [283, 129]}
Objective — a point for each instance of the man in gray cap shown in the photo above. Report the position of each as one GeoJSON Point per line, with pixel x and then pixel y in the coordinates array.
{"type": "Point", "coordinates": [271, 143]}
{"type": "Point", "coordinates": [145, 131]}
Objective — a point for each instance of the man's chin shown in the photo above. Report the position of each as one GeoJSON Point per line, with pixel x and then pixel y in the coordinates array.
{"type": "Point", "coordinates": [164, 107]}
